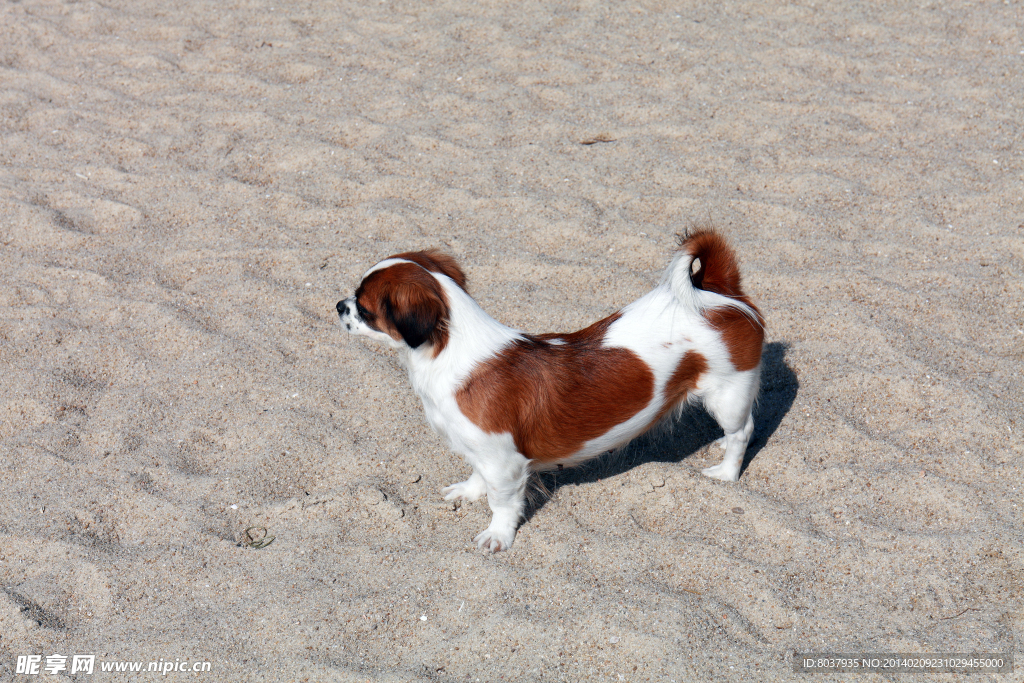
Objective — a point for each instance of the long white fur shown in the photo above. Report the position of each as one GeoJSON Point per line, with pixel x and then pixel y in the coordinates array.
{"type": "Point", "coordinates": [661, 327]}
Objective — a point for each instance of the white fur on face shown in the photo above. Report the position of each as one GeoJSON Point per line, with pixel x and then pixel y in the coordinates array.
{"type": "Point", "coordinates": [354, 323]}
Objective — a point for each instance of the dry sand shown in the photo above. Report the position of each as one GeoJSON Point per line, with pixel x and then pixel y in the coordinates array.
{"type": "Point", "coordinates": [185, 193]}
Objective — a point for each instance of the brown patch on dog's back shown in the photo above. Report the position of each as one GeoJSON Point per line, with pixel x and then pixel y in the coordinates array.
{"type": "Point", "coordinates": [555, 392]}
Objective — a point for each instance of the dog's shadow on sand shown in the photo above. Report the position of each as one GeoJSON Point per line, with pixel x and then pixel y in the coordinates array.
{"type": "Point", "coordinates": [692, 432]}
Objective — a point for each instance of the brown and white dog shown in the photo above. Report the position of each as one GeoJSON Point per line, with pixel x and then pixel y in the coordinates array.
{"type": "Point", "coordinates": [513, 403]}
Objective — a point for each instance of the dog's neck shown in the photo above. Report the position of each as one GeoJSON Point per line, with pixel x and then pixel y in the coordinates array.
{"type": "Point", "coordinates": [473, 336]}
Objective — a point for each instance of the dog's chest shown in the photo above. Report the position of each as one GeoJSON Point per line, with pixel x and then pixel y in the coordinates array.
{"type": "Point", "coordinates": [436, 410]}
{"type": "Point", "coordinates": [435, 415]}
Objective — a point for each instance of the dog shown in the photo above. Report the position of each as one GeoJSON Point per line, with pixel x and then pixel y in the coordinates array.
{"type": "Point", "coordinates": [514, 403]}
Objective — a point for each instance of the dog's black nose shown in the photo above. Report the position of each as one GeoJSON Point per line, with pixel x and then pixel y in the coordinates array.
{"type": "Point", "coordinates": [341, 307]}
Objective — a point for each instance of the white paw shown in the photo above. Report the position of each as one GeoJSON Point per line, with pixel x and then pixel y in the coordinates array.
{"type": "Point", "coordinates": [723, 472]}
{"type": "Point", "coordinates": [496, 539]}
{"type": "Point", "coordinates": [471, 489]}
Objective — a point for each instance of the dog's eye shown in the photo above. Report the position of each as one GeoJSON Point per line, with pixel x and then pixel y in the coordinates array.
{"type": "Point", "coordinates": [363, 313]}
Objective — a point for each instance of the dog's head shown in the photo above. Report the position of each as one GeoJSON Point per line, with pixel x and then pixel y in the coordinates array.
{"type": "Point", "coordinates": [402, 302]}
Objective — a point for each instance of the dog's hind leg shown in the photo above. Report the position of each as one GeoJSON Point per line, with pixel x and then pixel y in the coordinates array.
{"type": "Point", "coordinates": [732, 404]}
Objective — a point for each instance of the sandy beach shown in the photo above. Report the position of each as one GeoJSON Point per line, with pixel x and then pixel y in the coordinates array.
{"type": "Point", "coordinates": [197, 464]}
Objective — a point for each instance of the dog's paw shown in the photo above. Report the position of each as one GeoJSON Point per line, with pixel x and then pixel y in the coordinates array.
{"type": "Point", "coordinates": [722, 471]}
{"type": "Point", "coordinates": [495, 539]}
{"type": "Point", "coordinates": [471, 489]}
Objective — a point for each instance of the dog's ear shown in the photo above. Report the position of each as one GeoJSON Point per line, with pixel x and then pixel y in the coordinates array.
{"type": "Point", "coordinates": [416, 321]}
{"type": "Point", "coordinates": [417, 308]}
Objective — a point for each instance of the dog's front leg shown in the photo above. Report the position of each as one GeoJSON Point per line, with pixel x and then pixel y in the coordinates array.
{"type": "Point", "coordinates": [505, 476]}
{"type": "Point", "coordinates": [472, 489]}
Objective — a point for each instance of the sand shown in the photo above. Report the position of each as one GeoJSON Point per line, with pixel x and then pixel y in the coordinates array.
{"type": "Point", "coordinates": [186, 192]}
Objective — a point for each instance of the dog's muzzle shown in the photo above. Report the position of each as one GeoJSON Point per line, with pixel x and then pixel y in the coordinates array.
{"type": "Point", "coordinates": [345, 313]}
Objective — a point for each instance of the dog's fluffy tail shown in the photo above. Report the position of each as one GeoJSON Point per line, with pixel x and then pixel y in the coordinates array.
{"type": "Point", "coordinates": [704, 275]}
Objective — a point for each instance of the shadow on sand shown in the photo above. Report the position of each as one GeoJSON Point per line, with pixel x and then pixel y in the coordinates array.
{"type": "Point", "coordinates": [694, 430]}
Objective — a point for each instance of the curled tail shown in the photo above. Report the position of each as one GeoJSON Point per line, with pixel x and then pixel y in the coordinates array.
{"type": "Point", "coordinates": [705, 278]}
